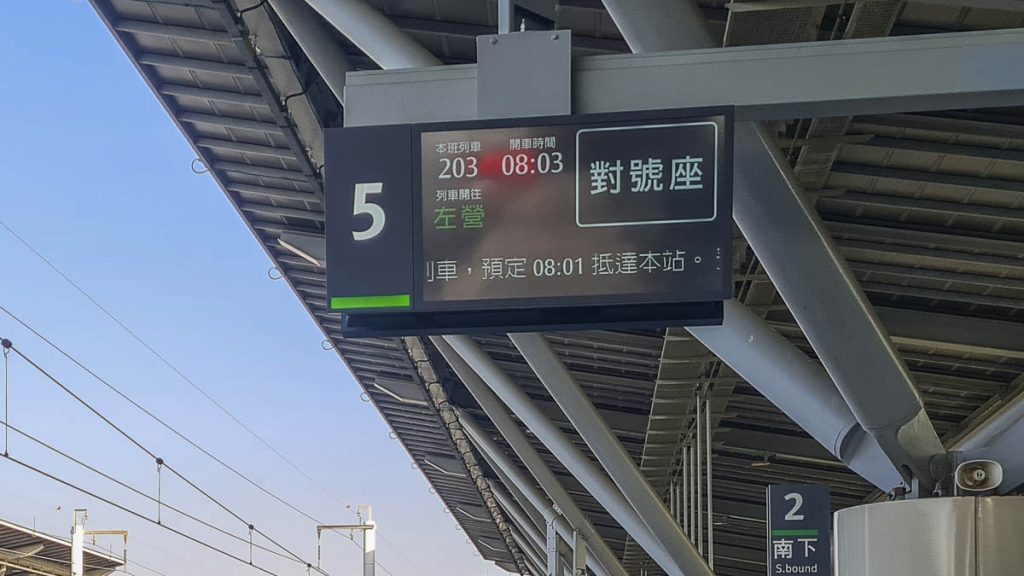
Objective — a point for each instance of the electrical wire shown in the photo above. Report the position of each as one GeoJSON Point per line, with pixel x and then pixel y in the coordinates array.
{"type": "Point", "coordinates": [179, 434]}
{"type": "Point", "coordinates": [139, 515]}
{"type": "Point", "coordinates": [143, 494]}
{"type": "Point", "coordinates": [152, 455]}
{"type": "Point", "coordinates": [194, 385]}
{"type": "Point", "coordinates": [165, 361]}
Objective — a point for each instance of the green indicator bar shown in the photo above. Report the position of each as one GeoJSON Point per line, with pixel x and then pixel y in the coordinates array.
{"type": "Point", "coordinates": [794, 532]}
{"type": "Point", "coordinates": [367, 302]}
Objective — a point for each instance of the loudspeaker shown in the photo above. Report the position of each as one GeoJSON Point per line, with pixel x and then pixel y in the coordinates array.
{"type": "Point", "coordinates": [975, 476]}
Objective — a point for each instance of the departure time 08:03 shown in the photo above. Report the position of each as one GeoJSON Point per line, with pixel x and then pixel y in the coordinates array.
{"type": "Point", "coordinates": [522, 163]}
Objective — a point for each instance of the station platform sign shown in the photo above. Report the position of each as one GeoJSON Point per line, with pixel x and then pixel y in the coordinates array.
{"type": "Point", "coordinates": [568, 222]}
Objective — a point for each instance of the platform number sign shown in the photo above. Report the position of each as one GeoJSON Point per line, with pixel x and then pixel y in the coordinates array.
{"type": "Point", "coordinates": [519, 224]}
{"type": "Point", "coordinates": [799, 530]}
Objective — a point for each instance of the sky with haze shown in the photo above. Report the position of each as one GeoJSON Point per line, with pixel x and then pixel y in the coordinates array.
{"type": "Point", "coordinates": [94, 175]}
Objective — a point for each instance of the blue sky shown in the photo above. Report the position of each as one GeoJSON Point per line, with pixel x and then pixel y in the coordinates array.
{"type": "Point", "coordinates": [95, 175]}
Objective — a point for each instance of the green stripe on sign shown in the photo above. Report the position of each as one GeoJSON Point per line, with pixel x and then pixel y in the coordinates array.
{"type": "Point", "coordinates": [794, 532]}
{"type": "Point", "coordinates": [367, 302]}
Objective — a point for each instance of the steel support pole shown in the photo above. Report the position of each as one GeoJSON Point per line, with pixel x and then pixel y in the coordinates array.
{"type": "Point", "coordinates": [369, 544]}
{"type": "Point", "coordinates": [579, 465]}
{"type": "Point", "coordinates": [506, 16]}
{"type": "Point", "coordinates": [700, 485]}
{"type": "Point", "coordinates": [555, 564]}
{"type": "Point", "coordinates": [374, 34]}
{"type": "Point", "coordinates": [609, 451]}
{"type": "Point", "coordinates": [693, 493]}
{"type": "Point", "coordinates": [687, 503]}
{"type": "Point", "coordinates": [579, 554]}
{"type": "Point", "coordinates": [801, 258]}
{"type": "Point", "coordinates": [77, 548]}
{"type": "Point", "coordinates": [316, 41]}
{"type": "Point", "coordinates": [711, 510]}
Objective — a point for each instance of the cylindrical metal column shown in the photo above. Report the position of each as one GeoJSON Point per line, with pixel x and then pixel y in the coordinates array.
{"type": "Point", "coordinates": [592, 478]}
{"type": "Point", "coordinates": [686, 490]}
{"type": "Point", "coordinates": [711, 512]}
{"type": "Point", "coordinates": [609, 451]}
{"type": "Point", "coordinates": [604, 559]}
{"type": "Point", "coordinates": [77, 548]}
{"type": "Point", "coordinates": [700, 484]}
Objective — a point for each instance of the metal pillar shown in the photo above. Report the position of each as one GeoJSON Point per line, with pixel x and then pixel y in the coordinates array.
{"type": "Point", "coordinates": [677, 559]}
{"type": "Point", "coordinates": [699, 475]}
{"type": "Point", "coordinates": [685, 489]}
{"type": "Point", "coordinates": [369, 544]}
{"type": "Point", "coordinates": [555, 564]}
{"type": "Point", "coordinates": [497, 412]}
{"type": "Point", "coordinates": [327, 55]}
{"type": "Point", "coordinates": [801, 258]}
{"type": "Point", "coordinates": [78, 543]}
{"type": "Point", "coordinates": [369, 530]}
{"type": "Point", "coordinates": [506, 16]}
{"type": "Point", "coordinates": [573, 401]}
{"type": "Point", "coordinates": [374, 34]}
{"type": "Point", "coordinates": [799, 387]}
{"type": "Point", "coordinates": [579, 554]}
{"type": "Point", "coordinates": [711, 510]}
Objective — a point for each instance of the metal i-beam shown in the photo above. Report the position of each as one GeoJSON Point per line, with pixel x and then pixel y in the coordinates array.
{"type": "Point", "coordinates": [605, 559]}
{"type": "Point", "coordinates": [374, 34]}
{"type": "Point", "coordinates": [676, 557]}
{"type": "Point", "coordinates": [605, 445]}
{"type": "Point", "coordinates": [836, 78]}
{"type": "Point", "coordinates": [803, 262]}
{"type": "Point", "coordinates": [799, 386]}
{"type": "Point", "coordinates": [326, 54]}
{"type": "Point", "coordinates": [1000, 437]}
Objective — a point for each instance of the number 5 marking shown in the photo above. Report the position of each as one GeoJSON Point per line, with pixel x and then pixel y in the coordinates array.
{"type": "Point", "coordinates": [798, 501]}
{"type": "Point", "coordinates": [361, 206]}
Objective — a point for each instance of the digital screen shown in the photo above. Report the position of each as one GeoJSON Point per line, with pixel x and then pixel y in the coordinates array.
{"type": "Point", "coordinates": [568, 214]}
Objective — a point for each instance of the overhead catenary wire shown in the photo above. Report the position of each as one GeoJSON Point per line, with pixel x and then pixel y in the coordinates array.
{"type": "Point", "coordinates": [199, 389]}
{"type": "Point", "coordinates": [160, 356]}
{"type": "Point", "coordinates": [141, 493]}
{"type": "Point", "coordinates": [150, 453]}
{"type": "Point", "coordinates": [156, 418]}
{"type": "Point", "coordinates": [139, 515]}
{"type": "Point", "coordinates": [175, 431]}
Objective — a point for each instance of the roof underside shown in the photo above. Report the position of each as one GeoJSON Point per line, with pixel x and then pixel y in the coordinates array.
{"type": "Point", "coordinates": [25, 552]}
{"type": "Point", "coordinates": [927, 209]}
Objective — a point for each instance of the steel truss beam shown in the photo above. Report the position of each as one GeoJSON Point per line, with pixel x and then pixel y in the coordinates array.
{"type": "Point", "coordinates": [605, 560]}
{"type": "Point", "coordinates": [999, 437]}
{"type": "Point", "coordinates": [675, 555]}
{"type": "Point", "coordinates": [838, 78]}
{"type": "Point", "coordinates": [790, 238]}
{"type": "Point", "coordinates": [605, 445]}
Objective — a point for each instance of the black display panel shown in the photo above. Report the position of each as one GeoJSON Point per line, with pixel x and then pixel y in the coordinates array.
{"type": "Point", "coordinates": [532, 222]}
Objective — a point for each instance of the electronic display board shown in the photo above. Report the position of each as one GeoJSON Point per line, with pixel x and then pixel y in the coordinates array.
{"type": "Point", "coordinates": [533, 222]}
